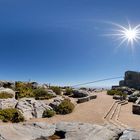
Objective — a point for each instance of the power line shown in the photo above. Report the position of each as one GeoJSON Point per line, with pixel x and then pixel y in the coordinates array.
{"type": "Point", "coordinates": [97, 81]}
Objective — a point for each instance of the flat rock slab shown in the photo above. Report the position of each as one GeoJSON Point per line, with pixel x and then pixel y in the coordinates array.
{"type": "Point", "coordinates": [130, 135]}
{"type": "Point", "coordinates": [72, 131]}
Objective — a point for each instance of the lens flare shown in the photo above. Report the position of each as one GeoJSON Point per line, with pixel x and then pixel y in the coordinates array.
{"type": "Point", "coordinates": [129, 35]}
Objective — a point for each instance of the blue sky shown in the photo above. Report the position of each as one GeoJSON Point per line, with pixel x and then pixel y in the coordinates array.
{"type": "Point", "coordinates": [61, 41]}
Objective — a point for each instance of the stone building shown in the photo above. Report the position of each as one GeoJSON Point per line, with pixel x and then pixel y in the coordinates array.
{"type": "Point", "coordinates": [131, 79]}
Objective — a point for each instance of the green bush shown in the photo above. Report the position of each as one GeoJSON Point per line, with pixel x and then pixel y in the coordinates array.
{"type": "Point", "coordinates": [65, 107]}
{"type": "Point", "coordinates": [12, 115]}
{"type": "Point", "coordinates": [112, 92]}
{"type": "Point", "coordinates": [24, 89]}
{"type": "Point", "coordinates": [68, 91]}
{"type": "Point", "coordinates": [5, 95]}
{"type": "Point", "coordinates": [56, 89]}
{"type": "Point", "coordinates": [48, 113]}
{"type": "Point", "coordinates": [41, 94]}
{"type": "Point", "coordinates": [116, 92]}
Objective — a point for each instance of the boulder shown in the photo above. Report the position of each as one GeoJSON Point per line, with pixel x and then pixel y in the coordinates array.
{"type": "Point", "coordinates": [7, 84]}
{"type": "Point", "coordinates": [136, 107]}
{"type": "Point", "coordinates": [136, 93]}
{"type": "Point", "coordinates": [117, 97]}
{"type": "Point", "coordinates": [7, 90]}
{"type": "Point", "coordinates": [93, 97]}
{"type": "Point", "coordinates": [31, 108]}
{"type": "Point", "coordinates": [51, 92]}
{"type": "Point", "coordinates": [8, 103]}
{"type": "Point", "coordinates": [85, 131]}
{"type": "Point", "coordinates": [56, 102]}
{"type": "Point", "coordinates": [65, 131]}
{"type": "Point", "coordinates": [132, 98]}
{"type": "Point", "coordinates": [83, 99]}
{"type": "Point", "coordinates": [130, 135]}
{"type": "Point", "coordinates": [80, 93]}
{"type": "Point", "coordinates": [26, 131]}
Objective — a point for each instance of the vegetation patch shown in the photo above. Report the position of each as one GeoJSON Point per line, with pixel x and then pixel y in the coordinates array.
{"type": "Point", "coordinates": [12, 115]}
{"type": "Point", "coordinates": [48, 113]}
{"type": "Point", "coordinates": [65, 107]}
{"type": "Point", "coordinates": [56, 89]}
{"type": "Point", "coordinates": [41, 94]}
{"type": "Point", "coordinates": [24, 89]}
{"type": "Point", "coordinates": [68, 91]}
{"type": "Point", "coordinates": [116, 92]}
{"type": "Point", "coordinates": [6, 95]}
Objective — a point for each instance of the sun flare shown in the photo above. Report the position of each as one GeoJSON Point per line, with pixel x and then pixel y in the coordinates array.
{"type": "Point", "coordinates": [129, 34]}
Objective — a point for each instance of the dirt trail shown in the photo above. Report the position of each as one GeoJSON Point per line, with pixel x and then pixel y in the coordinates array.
{"type": "Point", "coordinates": [128, 118]}
{"type": "Point", "coordinates": [89, 112]}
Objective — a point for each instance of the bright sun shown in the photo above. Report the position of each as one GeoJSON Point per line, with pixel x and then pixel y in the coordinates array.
{"type": "Point", "coordinates": [129, 35]}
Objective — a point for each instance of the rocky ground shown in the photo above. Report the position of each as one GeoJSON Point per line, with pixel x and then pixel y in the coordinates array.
{"type": "Point", "coordinates": [88, 112]}
{"type": "Point", "coordinates": [65, 130]}
{"type": "Point", "coordinates": [92, 119]}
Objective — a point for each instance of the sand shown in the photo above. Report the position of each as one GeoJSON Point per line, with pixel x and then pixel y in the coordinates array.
{"type": "Point", "coordinates": [94, 111]}
{"type": "Point", "coordinates": [89, 112]}
{"type": "Point", "coordinates": [128, 118]}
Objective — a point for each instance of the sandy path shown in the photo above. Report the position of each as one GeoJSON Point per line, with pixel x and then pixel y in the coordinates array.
{"type": "Point", "coordinates": [90, 112]}
{"type": "Point", "coordinates": [128, 118]}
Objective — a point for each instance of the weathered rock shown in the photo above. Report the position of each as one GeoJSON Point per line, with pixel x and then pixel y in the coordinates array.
{"type": "Point", "coordinates": [51, 92]}
{"type": "Point", "coordinates": [80, 93]}
{"type": "Point", "coordinates": [85, 131]}
{"type": "Point", "coordinates": [130, 135]}
{"type": "Point", "coordinates": [7, 90]}
{"type": "Point", "coordinates": [56, 102]}
{"type": "Point", "coordinates": [117, 97]}
{"type": "Point", "coordinates": [131, 79]}
{"type": "Point", "coordinates": [136, 107]}
{"type": "Point", "coordinates": [66, 131]}
{"type": "Point", "coordinates": [32, 108]}
{"type": "Point", "coordinates": [8, 103]}
{"type": "Point", "coordinates": [93, 97]}
{"type": "Point", "coordinates": [83, 99]}
{"type": "Point", "coordinates": [136, 93]}
{"type": "Point", "coordinates": [26, 131]}
{"type": "Point", "coordinates": [7, 84]}
{"type": "Point", "coordinates": [132, 98]}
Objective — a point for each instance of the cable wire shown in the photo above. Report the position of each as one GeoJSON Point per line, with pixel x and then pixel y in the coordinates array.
{"type": "Point", "coordinates": [97, 81]}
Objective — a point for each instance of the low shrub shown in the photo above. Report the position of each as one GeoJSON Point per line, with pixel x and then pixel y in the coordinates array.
{"type": "Point", "coordinates": [48, 113]}
{"type": "Point", "coordinates": [12, 115]}
{"type": "Point", "coordinates": [5, 95]}
{"type": "Point", "coordinates": [117, 92]}
{"type": "Point", "coordinates": [41, 94]}
{"type": "Point", "coordinates": [68, 91]}
{"type": "Point", "coordinates": [56, 89]}
{"type": "Point", "coordinates": [24, 89]}
{"type": "Point", "coordinates": [112, 92]}
{"type": "Point", "coordinates": [65, 107]}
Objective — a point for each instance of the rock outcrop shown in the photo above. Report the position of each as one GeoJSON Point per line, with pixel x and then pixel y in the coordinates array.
{"type": "Point", "coordinates": [136, 107]}
{"type": "Point", "coordinates": [8, 103]}
{"type": "Point", "coordinates": [65, 131]}
{"type": "Point", "coordinates": [31, 108]}
{"type": "Point", "coordinates": [80, 93]}
{"type": "Point", "coordinates": [7, 90]}
{"type": "Point", "coordinates": [7, 84]}
{"type": "Point", "coordinates": [130, 135]}
{"type": "Point", "coordinates": [56, 102]}
{"type": "Point", "coordinates": [26, 131]}
{"type": "Point", "coordinates": [131, 79]}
